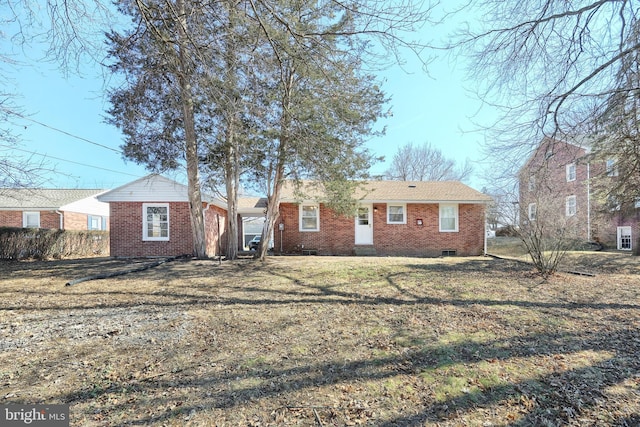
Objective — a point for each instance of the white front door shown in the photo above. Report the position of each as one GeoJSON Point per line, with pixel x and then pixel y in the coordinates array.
{"type": "Point", "coordinates": [624, 238]}
{"type": "Point", "coordinates": [364, 225]}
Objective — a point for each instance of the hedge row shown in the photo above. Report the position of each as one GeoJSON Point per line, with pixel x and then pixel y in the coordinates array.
{"type": "Point", "coordinates": [23, 243]}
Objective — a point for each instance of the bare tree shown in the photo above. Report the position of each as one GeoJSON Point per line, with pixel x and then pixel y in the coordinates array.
{"type": "Point", "coordinates": [426, 163]}
{"type": "Point", "coordinates": [72, 32]}
{"type": "Point", "coordinates": [550, 65]}
{"type": "Point", "coordinates": [546, 231]}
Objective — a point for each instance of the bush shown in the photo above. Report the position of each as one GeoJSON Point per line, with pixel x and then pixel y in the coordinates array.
{"type": "Point", "coordinates": [24, 243]}
{"type": "Point", "coordinates": [507, 231]}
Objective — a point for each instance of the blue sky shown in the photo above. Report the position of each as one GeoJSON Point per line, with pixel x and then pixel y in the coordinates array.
{"type": "Point", "coordinates": [433, 108]}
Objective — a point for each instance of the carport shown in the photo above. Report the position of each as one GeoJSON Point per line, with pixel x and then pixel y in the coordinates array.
{"type": "Point", "coordinates": [251, 212]}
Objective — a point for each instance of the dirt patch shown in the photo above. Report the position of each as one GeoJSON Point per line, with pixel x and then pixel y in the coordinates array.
{"type": "Point", "coordinates": [316, 341]}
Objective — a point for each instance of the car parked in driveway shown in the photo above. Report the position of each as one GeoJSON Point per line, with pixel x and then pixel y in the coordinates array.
{"type": "Point", "coordinates": [254, 243]}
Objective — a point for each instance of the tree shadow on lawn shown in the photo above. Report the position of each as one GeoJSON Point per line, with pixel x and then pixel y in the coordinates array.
{"type": "Point", "coordinates": [548, 391]}
{"type": "Point", "coordinates": [551, 399]}
{"type": "Point", "coordinates": [260, 296]}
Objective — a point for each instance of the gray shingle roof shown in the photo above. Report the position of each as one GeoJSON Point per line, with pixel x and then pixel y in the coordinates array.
{"type": "Point", "coordinates": [41, 198]}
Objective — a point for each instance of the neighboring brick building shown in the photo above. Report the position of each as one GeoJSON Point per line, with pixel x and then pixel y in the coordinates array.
{"type": "Point", "coordinates": [64, 209]}
{"type": "Point", "coordinates": [394, 218]}
{"type": "Point", "coordinates": [564, 182]}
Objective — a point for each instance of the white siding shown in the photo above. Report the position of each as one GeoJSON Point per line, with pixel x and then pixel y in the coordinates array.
{"type": "Point", "coordinates": [151, 188]}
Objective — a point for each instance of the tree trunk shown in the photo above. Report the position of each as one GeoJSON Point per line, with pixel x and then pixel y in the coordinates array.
{"type": "Point", "coordinates": [273, 211]}
{"type": "Point", "coordinates": [191, 143]}
{"type": "Point", "coordinates": [273, 199]}
{"type": "Point", "coordinates": [232, 182]}
{"type": "Point", "coordinates": [231, 143]}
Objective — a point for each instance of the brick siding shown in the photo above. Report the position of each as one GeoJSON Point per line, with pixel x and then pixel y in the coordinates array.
{"type": "Point", "coordinates": [75, 221]}
{"type": "Point", "coordinates": [215, 231]}
{"type": "Point", "coordinates": [337, 233]}
{"type": "Point", "coordinates": [126, 231]}
{"type": "Point", "coordinates": [550, 176]}
{"type": "Point", "coordinates": [11, 219]}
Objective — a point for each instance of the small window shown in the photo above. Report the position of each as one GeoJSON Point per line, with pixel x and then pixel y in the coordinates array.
{"type": "Point", "coordinates": [637, 203]}
{"type": "Point", "coordinates": [532, 211]}
{"type": "Point", "coordinates": [570, 206]}
{"type": "Point", "coordinates": [449, 218]}
{"type": "Point", "coordinates": [155, 221]}
{"type": "Point", "coordinates": [549, 153]}
{"type": "Point", "coordinates": [571, 172]}
{"type": "Point", "coordinates": [363, 216]}
{"type": "Point", "coordinates": [532, 183]}
{"type": "Point", "coordinates": [396, 214]}
{"type": "Point", "coordinates": [309, 218]}
{"type": "Point", "coordinates": [612, 168]}
{"type": "Point", "coordinates": [95, 222]}
{"type": "Point", "coordinates": [449, 252]}
{"type": "Point", "coordinates": [31, 219]}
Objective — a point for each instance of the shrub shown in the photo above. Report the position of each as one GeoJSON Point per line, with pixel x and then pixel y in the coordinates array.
{"type": "Point", "coordinates": [23, 243]}
{"type": "Point", "coordinates": [507, 231]}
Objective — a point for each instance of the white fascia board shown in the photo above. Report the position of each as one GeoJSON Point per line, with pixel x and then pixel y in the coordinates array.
{"type": "Point", "coordinates": [88, 205]}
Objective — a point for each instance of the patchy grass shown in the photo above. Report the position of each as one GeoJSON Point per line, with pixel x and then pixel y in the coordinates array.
{"type": "Point", "coordinates": [309, 341]}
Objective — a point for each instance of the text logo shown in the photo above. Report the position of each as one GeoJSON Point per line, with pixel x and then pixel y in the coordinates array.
{"type": "Point", "coordinates": [35, 415]}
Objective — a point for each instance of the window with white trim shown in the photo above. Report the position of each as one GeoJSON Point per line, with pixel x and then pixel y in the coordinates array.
{"type": "Point", "coordinates": [95, 222]}
{"type": "Point", "coordinates": [396, 214]}
{"type": "Point", "coordinates": [309, 217]}
{"type": "Point", "coordinates": [532, 211]}
{"type": "Point", "coordinates": [571, 172]}
{"type": "Point", "coordinates": [612, 168]}
{"type": "Point", "coordinates": [155, 221]}
{"type": "Point", "coordinates": [570, 205]}
{"type": "Point", "coordinates": [449, 217]}
{"type": "Point", "coordinates": [532, 183]}
{"type": "Point", "coordinates": [31, 219]}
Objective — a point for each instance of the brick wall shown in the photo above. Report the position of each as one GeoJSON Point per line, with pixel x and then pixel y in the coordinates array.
{"type": "Point", "coordinates": [126, 231]}
{"type": "Point", "coordinates": [216, 230]}
{"type": "Point", "coordinates": [552, 188]}
{"type": "Point", "coordinates": [337, 234]}
{"type": "Point", "coordinates": [75, 221]}
{"type": "Point", "coordinates": [49, 219]}
{"type": "Point", "coordinates": [10, 219]}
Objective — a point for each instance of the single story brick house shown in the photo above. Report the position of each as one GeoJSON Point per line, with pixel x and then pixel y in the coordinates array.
{"type": "Point", "coordinates": [150, 217]}
{"type": "Point", "coordinates": [394, 218]}
{"type": "Point", "coordinates": [63, 209]}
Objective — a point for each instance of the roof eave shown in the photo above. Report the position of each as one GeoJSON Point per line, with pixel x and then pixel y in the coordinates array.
{"type": "Point", "coordinates": [407, 201]}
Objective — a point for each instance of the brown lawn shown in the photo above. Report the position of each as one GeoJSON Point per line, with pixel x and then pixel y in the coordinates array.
{"type": "Point", "coordinates": [324, 341]}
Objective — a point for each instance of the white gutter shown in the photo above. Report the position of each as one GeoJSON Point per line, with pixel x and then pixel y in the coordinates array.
{"type": "Point", "coordinates": [485, 230]}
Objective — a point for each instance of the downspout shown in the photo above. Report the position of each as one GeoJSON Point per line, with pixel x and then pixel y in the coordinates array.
{"type": "Point", "coordinates": [61, 219]}
{"type": "Point", "coordinates": [485, 229]}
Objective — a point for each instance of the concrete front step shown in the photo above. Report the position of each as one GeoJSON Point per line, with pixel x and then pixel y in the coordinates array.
{"type": "Point", "coordinates": [364, 251]}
